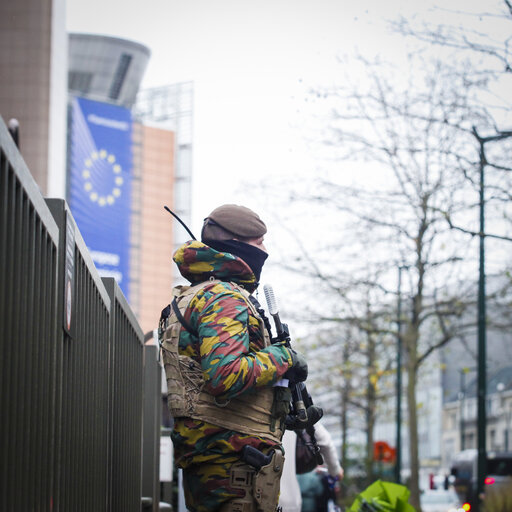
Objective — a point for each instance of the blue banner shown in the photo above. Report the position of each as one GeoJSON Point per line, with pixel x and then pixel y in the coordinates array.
{"type": "Point", "coordinates": [100, 184]}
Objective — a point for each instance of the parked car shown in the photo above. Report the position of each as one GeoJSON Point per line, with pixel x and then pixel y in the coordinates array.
{"type": "Point", "coordinates": [464, 471]}
{"type": "Point", "coordinates": [441, 500]}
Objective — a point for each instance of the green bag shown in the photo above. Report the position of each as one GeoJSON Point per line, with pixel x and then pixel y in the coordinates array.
{"type": "Point", "coordinates": [383, 497]}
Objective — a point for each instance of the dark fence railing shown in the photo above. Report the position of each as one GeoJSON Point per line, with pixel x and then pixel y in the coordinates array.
{"type": "Point", "coordinates": [152, 422]}
{"type": "Point", "coordinates": [83, 379]}
{"type": "Point", "coordinates": [127, 374]}
{"type": "Point", "coordinates": [29, 239]}
{"type": "Point", "coordinates": [72, 362]}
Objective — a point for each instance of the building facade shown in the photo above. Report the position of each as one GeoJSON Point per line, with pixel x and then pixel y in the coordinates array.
{"type": "Point", "coordinates": [459, 416]}
{"type": "Point", "coordinates": [33, 56]}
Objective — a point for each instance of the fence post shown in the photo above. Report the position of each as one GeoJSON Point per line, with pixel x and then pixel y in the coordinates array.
{"type": "Point", "coordinates": [152, 422]}
{"type": "Point", "coordinates": [126, 408]}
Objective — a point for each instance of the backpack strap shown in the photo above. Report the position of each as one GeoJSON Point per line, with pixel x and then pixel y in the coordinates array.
{"type": "Point", "coordinates": [181, 318]}
{"type": "Point", "coordinates": [162, 323]}
{"type": "Point", "coordinates": [192, 291]}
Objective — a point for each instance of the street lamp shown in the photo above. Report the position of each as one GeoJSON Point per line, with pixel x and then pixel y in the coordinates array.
{"type": "Point", "coordinates": [481, 434]}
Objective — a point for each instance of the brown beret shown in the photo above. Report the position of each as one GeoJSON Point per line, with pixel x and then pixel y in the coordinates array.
{"type": "Point", "coordinates": [232, 221]}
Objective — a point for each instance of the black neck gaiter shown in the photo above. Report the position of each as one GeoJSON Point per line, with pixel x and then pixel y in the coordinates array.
{"type": "Point", "coordinates": [253, 256]}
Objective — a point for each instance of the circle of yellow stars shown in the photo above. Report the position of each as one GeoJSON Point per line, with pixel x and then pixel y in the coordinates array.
{"type": "Point", "coordinates": [108, 199]}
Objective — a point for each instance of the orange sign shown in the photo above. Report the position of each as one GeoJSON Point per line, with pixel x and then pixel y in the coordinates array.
{"type": "Point", "coordinates": [382, 452]}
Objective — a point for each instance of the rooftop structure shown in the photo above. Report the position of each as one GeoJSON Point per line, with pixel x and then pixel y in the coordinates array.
{"type": "Point", "coordinates": [106, 68]}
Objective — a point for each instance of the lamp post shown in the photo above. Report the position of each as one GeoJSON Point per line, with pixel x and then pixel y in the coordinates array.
{"type": "Point", "coordinates": [482, 356]}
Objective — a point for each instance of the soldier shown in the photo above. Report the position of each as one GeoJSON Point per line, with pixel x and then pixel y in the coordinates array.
{"type": "Point", "coordinates": [222, 369]}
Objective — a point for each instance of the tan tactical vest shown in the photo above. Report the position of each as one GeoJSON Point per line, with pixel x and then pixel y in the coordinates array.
{"type": "Point", "coordinates": [249, 413]}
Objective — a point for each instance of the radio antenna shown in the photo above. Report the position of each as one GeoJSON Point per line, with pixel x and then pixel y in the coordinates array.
{"type": "Point", "coordinates": [180, 221]}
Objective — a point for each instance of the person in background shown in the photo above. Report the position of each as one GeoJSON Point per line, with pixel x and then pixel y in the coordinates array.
{"type": "Point", "coordinates": [311, 490]}
{"type": "Point", "coordinates": [291, 499]}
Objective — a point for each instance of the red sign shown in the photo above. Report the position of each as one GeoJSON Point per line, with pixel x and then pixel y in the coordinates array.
{"type": "Point", "coordinates": [382, 452]}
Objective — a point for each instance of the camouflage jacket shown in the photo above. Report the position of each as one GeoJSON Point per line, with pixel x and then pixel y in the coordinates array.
{"type": "Point", "coordinates": [229, 348]}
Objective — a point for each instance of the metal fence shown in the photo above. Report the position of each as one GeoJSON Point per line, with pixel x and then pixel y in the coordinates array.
{"type": "Point", "coordinates": [29, 239]}
{"type": "Point", "coordinates": [72, 362]}
{"type": "Point", "coordinates": [127, 374]}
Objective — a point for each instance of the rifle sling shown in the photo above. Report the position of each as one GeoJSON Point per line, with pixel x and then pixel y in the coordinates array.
{"type": "Point", "coordinates": [181, 318]}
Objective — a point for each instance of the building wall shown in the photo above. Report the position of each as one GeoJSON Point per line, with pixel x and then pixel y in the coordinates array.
{"type": "Point", "coordinates": [33, 84]}
{"type": "Point", "coordinates": [156, 225]}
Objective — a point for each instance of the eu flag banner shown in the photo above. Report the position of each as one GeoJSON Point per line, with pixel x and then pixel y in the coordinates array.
{"type": "Point", "coordinates": [100, 184]}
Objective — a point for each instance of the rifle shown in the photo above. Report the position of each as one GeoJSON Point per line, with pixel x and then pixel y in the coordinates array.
{"type": "Point", "coordinates": [301, 399]}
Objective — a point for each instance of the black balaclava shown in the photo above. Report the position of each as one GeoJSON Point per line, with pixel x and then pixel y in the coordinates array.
{"type": "Point", "coordinates": [253, 256]}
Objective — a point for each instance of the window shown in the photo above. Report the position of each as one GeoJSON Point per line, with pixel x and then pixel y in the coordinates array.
{"type": "Point", "coordinates": [501, 466]}
{"type": "Point", "coordinates": [492, 439]}
{"type": "Point", "coordinates": [79, 81]}
{"type": "Point", "coordinates": [120, 75]}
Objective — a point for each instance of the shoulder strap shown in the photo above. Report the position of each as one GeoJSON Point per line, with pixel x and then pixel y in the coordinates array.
{"type": "Point", "coordinates": [185, 291]}
{"type": "Point", "coordinates": [181, 318]}
{"type": "Point", "coordinates": [163, 321]}
{"type": "Point", "coordinates": [195, 289]}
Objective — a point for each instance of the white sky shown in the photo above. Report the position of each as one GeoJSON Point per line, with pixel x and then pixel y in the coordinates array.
{"type": "Point", "coordinates": [251, 62]}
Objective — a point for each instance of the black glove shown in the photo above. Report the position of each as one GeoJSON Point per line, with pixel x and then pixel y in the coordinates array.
{"type": "Point", "coordinates": [298, 371]}
{"type": "Point", "coordinates": [314, 414]}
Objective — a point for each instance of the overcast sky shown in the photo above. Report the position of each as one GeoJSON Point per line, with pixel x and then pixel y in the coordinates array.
{"type": "Point", "coordinates": [251, 63]}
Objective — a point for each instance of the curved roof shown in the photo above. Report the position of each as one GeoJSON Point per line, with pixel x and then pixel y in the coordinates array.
{"type": "Point", "coordinates": [106, 68]}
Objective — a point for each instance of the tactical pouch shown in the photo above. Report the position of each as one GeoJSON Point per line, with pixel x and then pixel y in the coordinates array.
{"type": "Point", "coordinates": [280, 407]}
{"type": "Point", "coordinates": [241, 477]}
{"type": "Point", "coordinates": [267, 483]}
{"type": "Point", "coordinates": [261, 487]}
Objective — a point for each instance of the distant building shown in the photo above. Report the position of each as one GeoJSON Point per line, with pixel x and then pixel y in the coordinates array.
{"type": "Point", "coordinates": [460, 415]}
{"type": "Point", "coordinates": [33, 56]}
{"type": "Point", "coordinates": [166, 145]}
{"type": "Point", "coordinates": [105, 75]}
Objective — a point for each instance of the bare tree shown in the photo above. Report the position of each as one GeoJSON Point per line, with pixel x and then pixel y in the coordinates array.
{"type": "Point", "coordinates": [351, 359]}
{"type": "Point", "coordinates": [416, 134]}
{"type": "Point", "coordinates": [484, 33]}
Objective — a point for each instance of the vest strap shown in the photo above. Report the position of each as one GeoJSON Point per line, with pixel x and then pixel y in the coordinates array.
{"type": "Point", "coordinates": [181, 318]}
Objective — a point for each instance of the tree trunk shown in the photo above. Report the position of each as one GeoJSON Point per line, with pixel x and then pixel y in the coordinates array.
{"type": "Point", "coordinates": [413, 420]}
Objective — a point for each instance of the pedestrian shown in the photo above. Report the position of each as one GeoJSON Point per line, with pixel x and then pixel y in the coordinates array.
{"type": "Point", "coordinates": [318, 491]}
{"type": "Point", "coordinates": [313, 486]}
{"type": "Point", "coordinates": [312, 490]}
{"type": "Point", "coordinates": [222, 369]}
